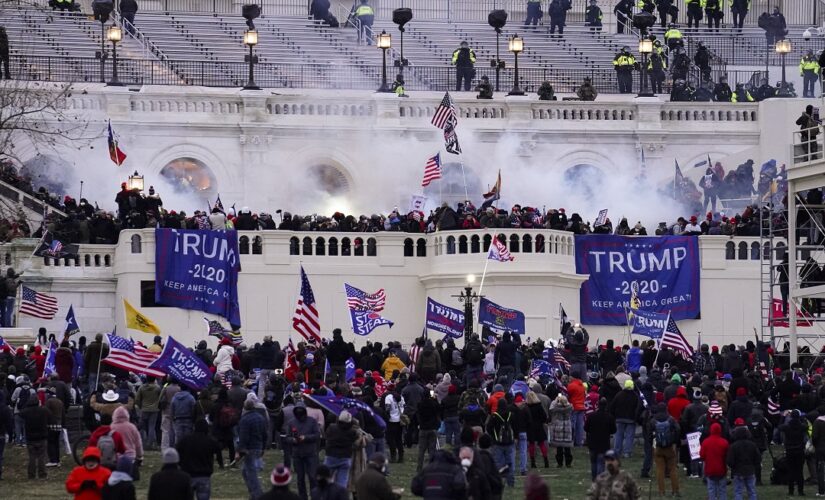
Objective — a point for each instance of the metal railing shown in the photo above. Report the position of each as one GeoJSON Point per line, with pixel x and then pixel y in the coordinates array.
{"type": "Point", "coordinates": [808, 146]}
{"type": "Point", "coordinates": [751, 50]}
{"type": "Point", "coordinates": [329, 76]}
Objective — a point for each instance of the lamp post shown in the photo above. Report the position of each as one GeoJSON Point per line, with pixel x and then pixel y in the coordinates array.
{"type": "Point", "coordinates": [515, 45]}
{"type": "Point", "coordinates": [384, 42]}
{"type": "Point", "coordinates": [401, 17]}
{"type": "Point", "coordinates": [135, 182]}
{"type": "Point", "coordinates": [250, 39]}
{"type": "Point", "coordinates": [783, 47]}
{"type": "Point", "coordinates": [645, 49]}
{"type": "Point", "coordinates": [114, 35]}
{"type": "Point", "coordinates": [467, 297]}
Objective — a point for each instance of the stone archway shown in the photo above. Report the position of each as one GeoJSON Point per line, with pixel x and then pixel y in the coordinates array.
{"type": "Point", "coordinates": [584, 179]}
{"type": "Point", "coordinates": [188, 175]}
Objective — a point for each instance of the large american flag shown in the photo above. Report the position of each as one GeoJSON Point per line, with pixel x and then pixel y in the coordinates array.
{"type": "Point", "coordinates": [432, 170]}
{"type": "Point", "coordinates": [673, 338]}
{"type": "Point", "coordinates": [125, 354]}
{"type": "Point", "coordinates": [38, 304]}
{"type": "Point", "coordinates": [445, 113]}
{"type": "Point", "coordinates": [305, 320]}
{"type": "Point", "coordinates": [358, 300]}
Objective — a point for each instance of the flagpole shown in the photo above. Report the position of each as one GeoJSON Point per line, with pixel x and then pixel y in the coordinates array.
{"type": "Point", "coordinates": [659, 343]}
{"type": "Point", "coordinates": [481, 287]}
{"type": "Point", "coordinates": [463, 177]}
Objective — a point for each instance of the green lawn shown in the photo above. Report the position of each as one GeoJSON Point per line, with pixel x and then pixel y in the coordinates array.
{"type": "Point", "coordinates": [228, 484]}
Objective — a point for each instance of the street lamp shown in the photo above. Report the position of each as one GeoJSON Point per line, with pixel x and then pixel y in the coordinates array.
{"type": "Point", "coordinates": [250, 39]}
{"type": "Point", "coordinates": [135, 182]}
{"type": "Point", "coordinates": [384, 42]}
{"type": "Point", "coordinates": [114, 35]}
{"type": "Point", "coordinates": [401, 17]}
{"type": "Point", "coordinates": [516, 45]}
{"type": "Point", "coordinates": [497, 19]}
{"type": "Point", "coordinates": [783, 47]}
{"type": "Point", "coordinates": [467, 297]}
{"type": "Point", "coordinates": [645, 49]}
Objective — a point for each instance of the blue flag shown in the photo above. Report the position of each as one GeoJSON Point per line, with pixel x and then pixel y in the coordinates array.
{"type": "Point", "coordinates": [540, 367]}
{"type": "Point", "coordinates": [181, 363]}
{"type": "Point", "coordinates": [519, 386]}
{"type": "Point", "coordinates": [364, 322]}
{"type": "Point", "coordinates": [50, 366]}
{"type": "Point", "coordinates": [499, 318]}
{"type": "Point", "coordinates": [350, 366]}
{"type": "Point", "coordinates": [337, 404]}
{"type": "Point", "coordinates": [71, 324]}
{"type": "Point", "coordinates": [445, 320]}
{"type": "Point", "coordinates": [648, 323]}
{"type": "Point", "coordinates": [198, 269]}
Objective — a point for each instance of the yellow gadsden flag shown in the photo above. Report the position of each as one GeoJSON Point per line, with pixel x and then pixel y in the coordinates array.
{"type": "Point", "coordinates": [137, 321]}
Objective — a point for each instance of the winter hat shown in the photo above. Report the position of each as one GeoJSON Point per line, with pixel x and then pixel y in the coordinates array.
{"type": "Point", "coordinates": [676, 378]}
{"type": "Point", "coordinates": [739, 422]}
{"type": "Point", "coordinates": [345, 417]}
{"type": "Point", "coordinates": [170, 456]}
{"type": "Point", "coordinates": [498, 388]}
{"type": "Point", "coordinates": [628, 384]}
{"type": "Point", "coordinates": [741, 391]}
{"type": "Point", "coordinates": [715, 409]}
{"type": "Point", "coordinates": [281, 476]}
{"type": "Point", "coordinates": [715, 348]}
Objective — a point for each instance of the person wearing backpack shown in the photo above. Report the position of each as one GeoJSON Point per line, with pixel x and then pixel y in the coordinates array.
{"type": "Point", "coordinates": [665, 431]}
{"type": "Point", "coordinates": [429, 363]}
{"type": "Point", "coordinates": [500, 427]}
{"type": "Point", "coordinates": [183, 414]}
{"type": "Point", "coordinates": [743, 458]}
{"type": "Point", "coordinates": [794, 437]}
{"type": "Point", "coordinates": [19, 399]}
{"type": "Point", "coordinates": [474, 359]}
{"type": "Point", "coordinates": [36, 421]}
{"type": "Point", "coordinates": [108, 442]}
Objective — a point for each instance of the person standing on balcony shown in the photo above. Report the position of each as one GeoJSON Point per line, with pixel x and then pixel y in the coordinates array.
{"type": "Point", "coordinates": [740, 9]}
{"type": "Point", "coordinates": [534, 12]}
{"type": "Point", "coordinates": [624, 15]}
{"type": "Point", "coordinates": [664, 7]}
{"type": "Point", "coordinates": [4, 52]}
{"type": "Point", "coordinates": [464, 60]}
{"type": "Point", "coordinates": [624, 63]}
{"type": "Point", "coordinates": [702, 60]}
{"type": "Point", "coordinates": [694, 12]}
{"type": "Point", "coordinates": [557, 10]}
{"type": "Point", "coordinates": [715, 13]}
{"type": "Point", "coordinates": [656, 67]}
{"type": "Point", "coordinates": [365, 15]}
{"type": "Point", "coordinates": [593, 16]}
{"type": "Point", "coordinates": [809, 71]}
{"type": "Point", "coordinates": [128, 9]}
{"type": "Point", "coordinates": [810, 129]}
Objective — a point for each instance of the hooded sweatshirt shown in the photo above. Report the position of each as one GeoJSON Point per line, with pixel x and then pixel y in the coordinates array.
{"type": "Point", "coordinates": [714, 451]}
{"type": "Point", "coordinates": [678, 403]}
{"type": "Point", "coordinates": [128, 433]}
{"type": "Point", "coordinates": [99, 475]}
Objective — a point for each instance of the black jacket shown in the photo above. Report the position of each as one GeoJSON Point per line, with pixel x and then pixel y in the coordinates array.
{"type": "Point", "coordinates": [599, 427]}
{"type": "Point", "coordinates": [36, 420]}
{"type": "Point", "coordinates": [442, 479]}
{"type": "Point", "coordinates": [741, 408]}
{"type": "Point", "coordinates": [266, 355]}
{"type": "Point", "coordinates": [340, 439]}
{"type": "Point", "coordinates": [277, 493]}
{"type": "Point", "coordinates": [197, 454]}
{"type": "Point", "coordinates": [170, 482]}
{"type": "Point", "coordinates": [428, 414]}
{"type": "Point", "coordinates": [795, 434]}
{"type": "Point", "coordinates": [123, 490]}
{"type": "Point", "coordinates": [743, 455]}
{"type": "Point", "coordinates": [329, 491]}
{"type": "Point", "coordinates": [128, 7]}
{"type": "Point", "coordinates": [625, 405]}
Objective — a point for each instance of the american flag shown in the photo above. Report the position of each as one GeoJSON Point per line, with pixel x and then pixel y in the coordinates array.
{"type": "Point", "coordinates": [125, 354]}
{"type": "Point", "coordinates": [55, 247]}
{"type": "Point", "coordinates": [773, 406]}
{"type": "Point", "coordinates": [38, 304]}
{"type": "Point", "coordinates": [3, 344]}
{"type": "Point", "coordinates": [216, 329]}
{"type": "Point", "coordinates": [540, 367]}
{"type": "Point", "coordinates": [358, 300]}
{"type": "Point", "coordinates": [674, 339]}
{"type": "Point", "coordinates": [305, 321]}
{"type": "Point", "coordinates": [554, 357]}
{"type": "Point", "coordinates": [432, 170]}
{"type": "Point", "coordinates": [445, 113]}
{"type": "Point", "coordinates": [498, 251]}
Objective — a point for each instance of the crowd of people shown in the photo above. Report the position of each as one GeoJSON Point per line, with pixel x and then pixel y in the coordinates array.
{"type": "Point", "coordinates": [474, 417]}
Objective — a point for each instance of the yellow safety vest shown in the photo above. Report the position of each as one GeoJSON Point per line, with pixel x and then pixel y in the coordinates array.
{"type": "Point", "coordinates": [472, 56]}
{"type": "Point", "coordinates": [624, 61]}
{"type": "Point", "coordinates": [748, 97]}
{"type": "Point", "coordinates": [808, 65]}
{"type": "Point", "coordinates": [364, 10]}
{"type": "Point", "coordinates": [673, 33]}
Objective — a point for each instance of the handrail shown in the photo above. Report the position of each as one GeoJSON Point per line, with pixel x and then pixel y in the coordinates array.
{"type": "Point", "coordinates": [149, 47]}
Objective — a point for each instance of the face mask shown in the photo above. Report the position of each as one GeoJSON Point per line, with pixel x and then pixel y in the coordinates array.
{"type": "Point", "coordinates": [466, 462]}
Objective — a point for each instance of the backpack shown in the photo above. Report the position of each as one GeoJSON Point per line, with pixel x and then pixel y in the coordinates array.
{"type": "Point", "coordinates": [23, 398]}
{"type": "Point", "coordinates": [664, 434]}
{"type": "Point", "coordinates": [108, 454]}
{"type": "Point", "coordinates": [428, 361]}
{"type": "Point", "coordinates": [457, 360]}
{"type": "Point", "coordinates": [228, 417]}
{"type": "Point", "coordinates": [475, 354]}
{"type": "Point", "coordinates": [505, 434]}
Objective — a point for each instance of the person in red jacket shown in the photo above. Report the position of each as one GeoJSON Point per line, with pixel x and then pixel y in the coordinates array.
{"type": "Point", "coordinates": [86, 481]}
{"type": "Point", "coordinates": [576, 392]}
{"type": "Point", "coordinates": [39, 360]}
{"type": "Point", "coordinates": [713, 451]}
{"type": "Point", "coordinates": [120, 446]}
{"type": "Point", "coordinates": [676, 405]}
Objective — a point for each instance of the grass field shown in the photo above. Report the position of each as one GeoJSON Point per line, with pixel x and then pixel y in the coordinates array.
{"type": "Point", "coordinates": [227, 484]}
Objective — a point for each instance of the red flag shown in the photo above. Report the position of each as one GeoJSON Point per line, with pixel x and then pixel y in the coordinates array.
{"type": "Point", "coordinates": [115, 153]}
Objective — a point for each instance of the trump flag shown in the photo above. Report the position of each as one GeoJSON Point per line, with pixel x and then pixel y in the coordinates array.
{"type": "Point", "coordinates": [181, 363]}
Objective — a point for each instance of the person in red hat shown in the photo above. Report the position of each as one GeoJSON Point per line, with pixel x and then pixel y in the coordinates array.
{"type": "Point", "coordinates": [713, 452]}
{"type": "Point", "coordinates": [280, 479]}
{"type": "Point", "coordinates": [741, 407]}
{"type": "Point", "coordinates": [692, 228]}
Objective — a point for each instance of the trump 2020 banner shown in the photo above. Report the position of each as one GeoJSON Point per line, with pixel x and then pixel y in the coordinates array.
{"type": "Point", "coordinates": [665, 269]}
{"type": "Point", "coordinates": [198, 269]}
{"type": "Point", "coordinates": [648, 323]}
{"type": "Point", "coordinates": [444, 319]}
{"type": "Point", "coordinates": [182, 364]}
{"type": "Point", "coordinates": [499, 318]}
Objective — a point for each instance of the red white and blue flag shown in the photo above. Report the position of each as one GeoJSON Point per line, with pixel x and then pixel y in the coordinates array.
{"type": "Point", "coordinates": [115, 153]}
{"type": "Point", "coordinates": [126, 354]}
{"type": "Point", "coordinates": [364, 309]}
{"type": "Point", "coordinates": [498, 251]}
{"type": "Point", "coordinates": [305, 321]}
{"type": "Point", "coordinates": [672, 337]}
{"type": "Point", "coordinates": [432, 170]}
{"type": "Point", "coordinates": [38, 304]}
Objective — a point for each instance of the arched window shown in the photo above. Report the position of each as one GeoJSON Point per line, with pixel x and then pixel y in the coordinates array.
{"type": "Point", "coordinates": [320, 246]}
{"type": "Point", "coordinates": [257, 245]}
{"type": "Point", "coordinates": [7, 259]}
{"type": "Point", "coordinates": [372, 249]}
{"type": "Point", "coordinates": [488, 239]}
{"type": "Point", "coordinates": [514, 243]}
{"type": "Point", "coordinates": [346, 249]}
{"type": "Point", "coordinates": [307, 250]}
{"type": "Point", "coordinates": [421, 247]}
{"type": "Point", "coordinates": [189, 175]}
{"type": "Point", "coordinates": [87, 260]}
{"type": "Point", "coordinates": [730, 250]}
{"type": "Point", "coordinates": [475, 244]}
{"type": "Point", "coordinates": [408, 247]}
{"type": "Point", "coordinates": [107, 260]}
{"type": "Point", "coordinates": [755, 250]}
{"type": "Point", "coordinates": [450, 245]}
{"type": "Point", "coordinates": [462, 244]}
{"type": "Point", "coordinates": [539, 243]}
{"type": "Point", "coordinates": [136, 244]}
{"type": "Point", "coordinates": [527, 243]}
{"type": "Point", "coordinates": [97, 260]}
{"type": "Point", "coordinates": [359, 247]}
{"type": "Point", "coordinates": [294, 245]}
{"type": "Point", "coordinates": [743, 251]}
{"type": "Point", "coordinates": [243, 245]}
{"type": "Point", "coordinates": [333, 246]}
